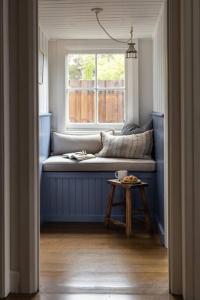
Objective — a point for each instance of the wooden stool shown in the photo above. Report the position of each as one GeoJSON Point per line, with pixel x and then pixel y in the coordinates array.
{"type": "Point", "coordinates": [127, 203]}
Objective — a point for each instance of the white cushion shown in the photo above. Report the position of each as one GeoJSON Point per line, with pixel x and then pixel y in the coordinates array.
{"type": "Point", "coordinates": [66, 143]}
{"type": "Point", "coordinates": [61, 164]}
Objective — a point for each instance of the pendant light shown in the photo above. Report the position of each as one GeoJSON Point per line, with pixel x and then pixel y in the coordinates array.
{"type": "Point", "coordinates": [131, 52]}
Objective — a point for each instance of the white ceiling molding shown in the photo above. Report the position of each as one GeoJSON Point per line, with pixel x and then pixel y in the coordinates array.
{"type": "Point", "coordinates": [73, 19]}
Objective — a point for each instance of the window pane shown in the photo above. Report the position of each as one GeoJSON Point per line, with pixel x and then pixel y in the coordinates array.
{"type": "Point", "coordinates": [110, 70]}
{"type": "Point", "coordinates": [82, 108]}
{"type": "Point", "coordinates": [111, 106]}
{"type": "Point", "coordinates": [81, 70]}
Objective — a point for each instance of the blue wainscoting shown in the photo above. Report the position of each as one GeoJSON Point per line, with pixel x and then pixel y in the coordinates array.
{"type": "Point", "coordinates": [82, 196]}
{"type": "Point", "coordinates": [44, 136]}
{"type": "Point", "coordinates": [158, 125]}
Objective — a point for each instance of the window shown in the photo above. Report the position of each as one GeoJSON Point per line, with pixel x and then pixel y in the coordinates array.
{"type": "Point", "coordinates": [95, 89]}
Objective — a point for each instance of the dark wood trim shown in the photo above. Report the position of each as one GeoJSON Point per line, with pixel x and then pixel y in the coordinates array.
{"type": "Point", "coordinates": [174, 148]}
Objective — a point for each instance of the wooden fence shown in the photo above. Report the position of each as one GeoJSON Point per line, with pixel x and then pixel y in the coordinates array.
{"type": "Point", "coordinates": [82, 105]}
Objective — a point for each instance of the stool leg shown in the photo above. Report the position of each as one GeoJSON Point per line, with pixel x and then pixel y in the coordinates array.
{"type": "Point", "coordinates": [128, 213]}
{"type": "Point", "coordinates": [146, 209]}
{"type": "Point", "coordinates": [109, 206]}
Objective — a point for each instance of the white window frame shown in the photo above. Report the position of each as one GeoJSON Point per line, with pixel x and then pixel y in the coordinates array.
{"type": "Point", "coordinates": [131, 107]}
{"type": "Point", "coordinates": [93, 126]}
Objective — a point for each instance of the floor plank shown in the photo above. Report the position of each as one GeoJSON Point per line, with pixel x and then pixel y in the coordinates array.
{"type": "Point", "coordinates": [88, 258]}
{"type": "Point", "coordinates": [89, 262]}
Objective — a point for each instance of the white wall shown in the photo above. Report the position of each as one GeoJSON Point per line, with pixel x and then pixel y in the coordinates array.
{"type": "Point", "coordinates": [43, 88]}
{"type": "Point", "coordinates": [160, 62]}
{"type": "Point", "coordinates": [145, 79]}
{"type": "Point", "coordinates": [57, 52]}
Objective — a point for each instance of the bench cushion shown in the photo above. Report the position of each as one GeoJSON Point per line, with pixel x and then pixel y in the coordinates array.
{"type": "Point", "coordinates": [61, 164]}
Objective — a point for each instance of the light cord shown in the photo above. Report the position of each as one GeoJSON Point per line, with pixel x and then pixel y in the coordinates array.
{"type": "Point", "coordinates": [110, 36]}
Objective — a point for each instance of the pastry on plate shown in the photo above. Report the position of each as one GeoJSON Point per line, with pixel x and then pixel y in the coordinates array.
{"type": "Point", "coordinates": [130, 179]}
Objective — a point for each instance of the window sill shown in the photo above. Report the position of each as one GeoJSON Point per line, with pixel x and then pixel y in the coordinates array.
{"type": "Point", "coordinates": [91, 128]}
{"type": "Point", "coordinates": [90, 131]}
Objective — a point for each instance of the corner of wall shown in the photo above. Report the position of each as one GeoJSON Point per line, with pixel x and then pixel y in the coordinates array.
{"type": "Point", "coordinates": [43, 87]}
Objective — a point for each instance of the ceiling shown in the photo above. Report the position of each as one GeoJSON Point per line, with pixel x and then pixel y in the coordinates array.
{"type": "Point", "coordinates": [73, 19]}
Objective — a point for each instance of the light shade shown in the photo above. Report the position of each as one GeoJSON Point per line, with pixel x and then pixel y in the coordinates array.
{"type": "Point", "coordinates": [131, 52]}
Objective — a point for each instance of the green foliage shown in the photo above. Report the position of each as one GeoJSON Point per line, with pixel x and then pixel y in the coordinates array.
{"type": "Point", "coordinates": [81, 66]}
{"type": "Point", "coordinates": [109, 66]}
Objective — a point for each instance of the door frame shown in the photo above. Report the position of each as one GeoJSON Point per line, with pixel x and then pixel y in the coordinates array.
{"type": "Point", "coordinates": [183, 106]}
{"type": "Point", "coordinates": [4, 154]}
{"type": "Point", "coordinates": [174, 149]}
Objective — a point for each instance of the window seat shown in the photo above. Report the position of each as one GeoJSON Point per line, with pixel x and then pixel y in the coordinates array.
{"type": "Point", "coordinates": [61, 164]}
{"type": "Point", "coordinates": [77, 191]}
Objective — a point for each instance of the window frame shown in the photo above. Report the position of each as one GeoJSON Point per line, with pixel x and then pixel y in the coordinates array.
{"type": "Point", "coordinates": [94, 126]}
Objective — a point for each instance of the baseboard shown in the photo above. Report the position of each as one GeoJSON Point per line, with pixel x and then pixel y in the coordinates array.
{"type": "Point", "coordinates": [14, 281]}
{"type": "Point", "coordinates": [77, 218]}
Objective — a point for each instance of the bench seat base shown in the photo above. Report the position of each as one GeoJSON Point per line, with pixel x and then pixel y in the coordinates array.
{"type": "Point", "coordinates": [82, 196]}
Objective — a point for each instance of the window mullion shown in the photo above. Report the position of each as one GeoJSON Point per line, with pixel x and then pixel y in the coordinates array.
{"type": "Point", "coordinates": [96, 70]}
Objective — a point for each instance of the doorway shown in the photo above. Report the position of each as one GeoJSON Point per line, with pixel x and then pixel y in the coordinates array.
{"type": "Point", "coordinates": [28, 207]}
{"type": "Point", "coordinates": [70, 272]}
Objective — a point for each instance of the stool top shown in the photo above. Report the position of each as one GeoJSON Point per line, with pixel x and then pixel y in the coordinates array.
{"type": "Point", "coordinates": [126, 185]}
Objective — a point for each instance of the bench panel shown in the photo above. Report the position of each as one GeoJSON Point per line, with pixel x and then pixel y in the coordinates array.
{"type": "Point", "coordinates": [82, 196]}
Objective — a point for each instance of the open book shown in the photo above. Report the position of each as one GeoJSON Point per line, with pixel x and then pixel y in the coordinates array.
{"type": "Point", "coordinates": [79, 156]}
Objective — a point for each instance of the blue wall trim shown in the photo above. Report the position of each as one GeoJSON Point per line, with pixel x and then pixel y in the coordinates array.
{"type": "Point", "coordinates": [44, 138]}
{"type": "Point", "coordinates": [158, 114]}
{"type": "Point", "coordinates": [158, 125]}
{"type": "Point", "coordinates": [44, 135]}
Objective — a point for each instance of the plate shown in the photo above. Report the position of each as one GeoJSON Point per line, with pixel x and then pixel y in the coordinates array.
{"type": "Point", "coordinates": [139, 181]}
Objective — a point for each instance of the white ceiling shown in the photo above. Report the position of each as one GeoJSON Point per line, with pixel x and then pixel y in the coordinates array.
{"type": "Point", "coordinates": [73, 19]}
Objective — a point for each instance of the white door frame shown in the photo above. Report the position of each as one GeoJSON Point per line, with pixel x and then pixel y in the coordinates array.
{"type": "Point", "coordinates": [4, 154]}
{"type": "Point", "coordinates": [183, 145]}
{"type": "Point", "coordinates": [23, 49]}
{"type": "Point", "coordinates": [27, 50]}
{"type": "Point", "coordinates": [190, 133]}
{"type": "Point", "coordinates": [174, 149]}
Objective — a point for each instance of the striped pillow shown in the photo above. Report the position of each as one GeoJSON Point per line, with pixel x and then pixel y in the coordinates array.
{"type": "Point", "coordinates": [127, 146]}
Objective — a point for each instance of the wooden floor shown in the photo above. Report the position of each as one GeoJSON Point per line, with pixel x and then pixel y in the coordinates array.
{"type": "Point", "coordinates": [87, 261]}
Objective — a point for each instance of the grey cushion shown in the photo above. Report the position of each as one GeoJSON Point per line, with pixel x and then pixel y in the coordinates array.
{"type": "Point", "coordinates": [131, 128]}
{"type": "Point", "coordinates": [61, 164]}
{"type": "Point", "coordinates": [127, 146]}
{"type": "Point", "coordinates": [66, 143]}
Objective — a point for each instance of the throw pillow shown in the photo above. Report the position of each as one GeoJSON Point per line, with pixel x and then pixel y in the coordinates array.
{"type": "Point", "coordinates": [127, 146]}
{"type": "Point", "coordinates": [131, 128]}
{"type": "Point", "coordinates": [68, 143]}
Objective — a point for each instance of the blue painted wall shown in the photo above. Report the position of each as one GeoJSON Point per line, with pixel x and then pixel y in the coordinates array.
{"type": "Point", "coordinates": [158, 124]}
{"type": "Point", "coordinates": [44, 136]}
{"type": "Point", "coordinates": [82, 196]}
